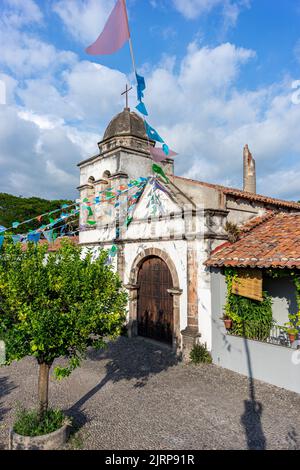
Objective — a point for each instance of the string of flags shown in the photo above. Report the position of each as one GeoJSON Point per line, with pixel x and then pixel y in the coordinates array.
{"type": "Point", "coordinates": [110, 196]}
{"type": "Point", "coordinates": [46, 230]}
{"type": "Point", "coordinates": [49, 230]}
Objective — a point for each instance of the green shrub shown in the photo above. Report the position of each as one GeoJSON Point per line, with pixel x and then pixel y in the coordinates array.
{"type": "Point", "coordinates": [200, 354]}
{"type": "Point", "coordinates": [28, 423]}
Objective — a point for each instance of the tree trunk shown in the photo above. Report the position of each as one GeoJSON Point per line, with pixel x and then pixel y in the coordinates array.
{"type": "Point", "coordinates": [43, 388]}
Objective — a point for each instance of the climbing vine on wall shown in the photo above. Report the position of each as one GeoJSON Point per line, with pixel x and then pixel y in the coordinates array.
{"type": "Point", "coordinates": [250, 318]}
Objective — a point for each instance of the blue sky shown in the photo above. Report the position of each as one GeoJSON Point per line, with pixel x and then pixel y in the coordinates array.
{"type": "Point", "coordinates": [219, 75]}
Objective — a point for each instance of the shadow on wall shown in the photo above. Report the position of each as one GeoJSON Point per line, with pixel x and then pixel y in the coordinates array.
{"type": "Point", "coordinates": [284, 300]}
{"type": "Point", "coordinates": [127, 360]}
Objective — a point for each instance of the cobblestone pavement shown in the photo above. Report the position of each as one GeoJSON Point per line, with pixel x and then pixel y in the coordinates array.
{"type": "Point", "coordinates": [135, 395]}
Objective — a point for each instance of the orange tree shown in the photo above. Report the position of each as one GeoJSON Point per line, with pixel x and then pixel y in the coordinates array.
{"type": "Point", "coordinates": [57, 304]}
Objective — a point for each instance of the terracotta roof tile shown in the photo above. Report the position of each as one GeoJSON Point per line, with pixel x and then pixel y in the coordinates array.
{"type": "Point", "coordinates": [243, 194]}
{"type": "Point", "coordinates": [275, 242]}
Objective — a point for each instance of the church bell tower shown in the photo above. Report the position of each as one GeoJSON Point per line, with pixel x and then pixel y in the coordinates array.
{"type": "Point", "coordinates": [123, 155]}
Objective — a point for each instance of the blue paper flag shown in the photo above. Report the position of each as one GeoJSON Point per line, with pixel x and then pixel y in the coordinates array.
{"type": "Point", "coordinates": [166, 149]}
{"type": "Point", "coordinates": [152, 134]}
{"type": "Point", "coordinates": [142, 108]}
{"type": "Point", "coordinates": [1, 240]}
{"type": "Point", "coordinates": [15, 224]}
{"type": "Point", "coordinates": [2, 229]}
{"type": "Point", "coordinates": [34, 237]}
{"type": "Point", "coordinates": [48, 234]}
{"type": "Point", "coordinates": [16, 238]}
{"type": "Point", "coordinates": [141, 86]}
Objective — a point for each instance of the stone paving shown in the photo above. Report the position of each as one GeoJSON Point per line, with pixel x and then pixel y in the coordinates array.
{"type": "Point", "coordinates": [135, 395]}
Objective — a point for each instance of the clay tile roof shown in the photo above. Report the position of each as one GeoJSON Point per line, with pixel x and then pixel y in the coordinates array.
{"type": "Point", "coordinates": [244, 194]}
{"type": "Point", "coordinates": [275, 242]}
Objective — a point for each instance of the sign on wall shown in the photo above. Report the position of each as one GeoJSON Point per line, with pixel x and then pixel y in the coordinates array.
{"type": "Point", "coordinates": [248, 284]}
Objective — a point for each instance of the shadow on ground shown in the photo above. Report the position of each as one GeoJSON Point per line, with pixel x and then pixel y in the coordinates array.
{"type": "Point", "coordinates": [133, 359]}
{"type": "Point", "coordinates": [6, 386]}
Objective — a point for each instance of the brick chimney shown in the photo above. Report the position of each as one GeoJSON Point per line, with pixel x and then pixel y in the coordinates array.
{"type": "Point", "coordinates": [249, 171]}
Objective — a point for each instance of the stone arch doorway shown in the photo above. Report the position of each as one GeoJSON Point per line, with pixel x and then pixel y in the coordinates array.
{"type": "Point", "coordinates": [154, 302]}
{"type": "Point", "coordinates": [171, 295]}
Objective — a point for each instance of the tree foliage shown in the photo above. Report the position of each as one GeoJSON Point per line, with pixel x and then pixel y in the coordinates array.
{"type": "Point", "coordinates": [58, 303]}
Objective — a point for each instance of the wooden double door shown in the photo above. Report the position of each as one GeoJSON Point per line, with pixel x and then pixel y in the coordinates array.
{"type": "Point", "coordinates": [155, 303]}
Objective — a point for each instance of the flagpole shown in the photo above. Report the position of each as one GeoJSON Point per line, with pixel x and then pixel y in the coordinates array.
{"type": "Point", "coordinates": [130, 41]}
{"type": "Point", "coordinates": [134, 66]}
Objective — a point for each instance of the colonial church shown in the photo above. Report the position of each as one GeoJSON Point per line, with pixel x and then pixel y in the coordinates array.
{"type": "Point", "coordinates": [160, 254]}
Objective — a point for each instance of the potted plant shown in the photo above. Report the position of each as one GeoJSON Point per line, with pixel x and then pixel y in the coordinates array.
{"type": "Point", "coordinates": [292, 333]}
{"type": "Point", "coordinates": [227, 321]}
{"type": "Point", "coordinates": [54, 304]}
{"type": "Point", "coordinates": [292, 327]}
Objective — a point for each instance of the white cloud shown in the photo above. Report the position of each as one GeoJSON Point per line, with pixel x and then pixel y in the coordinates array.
{"type": "Point", "coordinates": [203, 116]}
{"type": "Point", "coordinates": [83, 19]}
{"type": "Point", "coordinates": [230, 9]}
{"type": "Point", "coordinates": [27, 56]}
{"type": "Point", "coordinates": [58, 108]}
{"type": "Point", "coordinates": [16, 13]}
{"type": "Point", "coordinates": [193, 8]}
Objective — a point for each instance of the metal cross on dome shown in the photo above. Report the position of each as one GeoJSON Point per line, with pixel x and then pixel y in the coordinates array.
{"type": "Point", "coordinates": [126, 94]}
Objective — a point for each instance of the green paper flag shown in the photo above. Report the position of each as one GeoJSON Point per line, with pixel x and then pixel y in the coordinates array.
{"type": "Point", "coordinates": [91, 222]}
{"type": "Point", "coordinates": [129, 220]}
{"type": "Point", "coordinates": [157, 169]}
{"type": "Point", "coordinates": [90, 212]}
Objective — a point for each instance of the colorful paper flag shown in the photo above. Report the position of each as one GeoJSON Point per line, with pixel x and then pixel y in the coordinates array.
{"type": "Point", "coordinates": [142, 108]}
{"type": "Point", "coordinates": [159, 155]}
{"type": "Point", "coordinates": [16, 238]}
{"type": "Point", "coordinates": [34, 237]}
{"type": "Point", "coordinates": [115, 32]}
{"type": "Point", "coordinates": [141, 86]}
{"type": "Point", "coordinates": [1, 240]}
{"type": "Point", "coordinates": [152, 133]}
{"type": "Point", "coordinates": [15, 224]}
{"type": "Point", "coordinates": [48, 234]}
{"type": "Point", "coordinates": [166, 149]}
{"type": "Point", "coordinates": [157, 169]}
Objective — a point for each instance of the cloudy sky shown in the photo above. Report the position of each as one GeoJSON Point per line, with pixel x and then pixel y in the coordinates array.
{"type": "Point", "coordinates": [219, 73]}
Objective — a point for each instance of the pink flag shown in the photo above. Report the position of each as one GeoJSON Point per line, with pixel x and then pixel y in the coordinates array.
{"type": "Point", "coordinates": [159, 155]}
{"type": "Point", "coordinates": [115, 32]}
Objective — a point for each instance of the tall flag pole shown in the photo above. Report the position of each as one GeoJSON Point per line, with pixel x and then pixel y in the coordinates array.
{"type": "Point", "coordinates": [114, 35]}
{"type": "Point", "coordinates": [130, 40]}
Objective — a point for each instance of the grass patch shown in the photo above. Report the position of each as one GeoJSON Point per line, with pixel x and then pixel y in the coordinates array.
{"type": "Point", "coordinates": [199, 354]}
{"type": "Point", "coordinates": [28, 424]}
